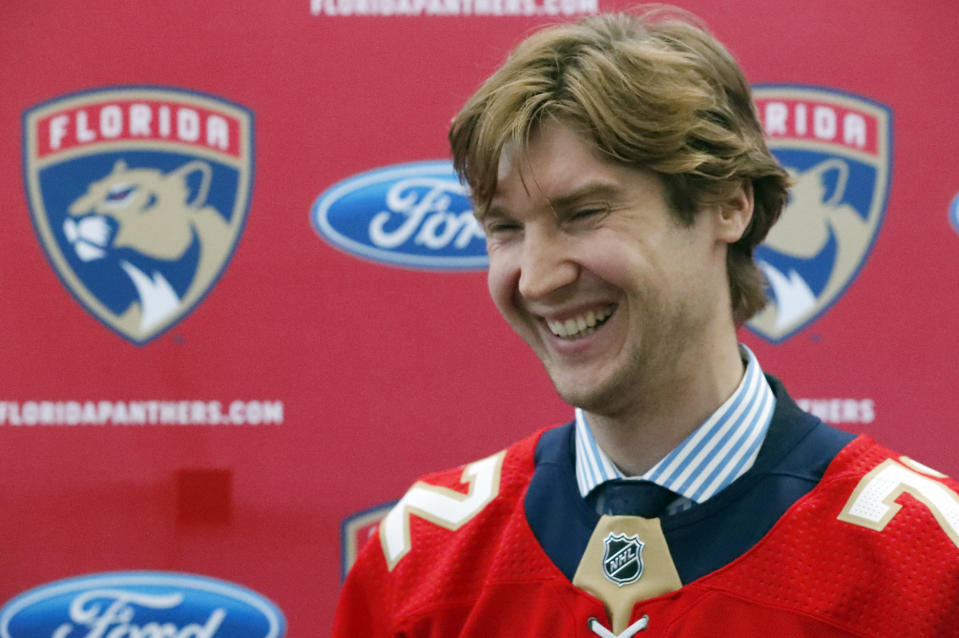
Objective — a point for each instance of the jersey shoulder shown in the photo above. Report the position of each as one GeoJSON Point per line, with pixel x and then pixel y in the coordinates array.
{"type": "Point", "coordinates": [880, 531]}
{"type": "Point", "coordinates": [451, 531]}
{"type": "Point", "coordinates": [473, 496]}
{"type": "Point", "coordinates": [876, 486]}
{"type": "Point", "coordinates": [896, 505]}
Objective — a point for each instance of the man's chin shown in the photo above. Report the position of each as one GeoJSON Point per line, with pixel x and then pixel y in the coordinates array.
{"type": "Point", "coordinates": [592, 398]}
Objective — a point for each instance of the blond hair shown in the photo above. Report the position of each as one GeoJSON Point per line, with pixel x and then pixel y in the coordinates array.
{"type": "Point", "coordinates": [652, 90]}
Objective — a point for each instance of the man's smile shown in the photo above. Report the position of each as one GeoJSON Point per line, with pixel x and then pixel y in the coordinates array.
{"type": "Point", "coordinates": [580, 325]}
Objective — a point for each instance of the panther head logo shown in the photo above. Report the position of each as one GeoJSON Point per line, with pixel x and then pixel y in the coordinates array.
{"type": "Point", "coordinates": [815, 218]}
{"type": "Point", "coordinates": [143, 217]}
{"type": "Point", "coordinates": [814, 211]}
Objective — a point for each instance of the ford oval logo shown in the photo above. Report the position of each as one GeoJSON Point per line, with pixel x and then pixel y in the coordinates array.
{"type": "Point", "coordinates": [416, 215]}
{"type": "Point", "coordinates": [147, 604]}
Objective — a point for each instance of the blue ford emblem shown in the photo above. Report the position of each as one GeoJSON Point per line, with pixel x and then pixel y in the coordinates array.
{"type": "Point", "coordinates": [141, 604]}
{"type": "Point", "coordinates": [414, 215]}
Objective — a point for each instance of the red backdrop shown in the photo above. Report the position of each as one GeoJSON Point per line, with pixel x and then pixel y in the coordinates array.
{"type": "Point", "coordinates": [370, 373]}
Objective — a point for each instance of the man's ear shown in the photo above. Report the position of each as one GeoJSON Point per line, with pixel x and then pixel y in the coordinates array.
{"type": "Point", "coordinates": [735, 213]}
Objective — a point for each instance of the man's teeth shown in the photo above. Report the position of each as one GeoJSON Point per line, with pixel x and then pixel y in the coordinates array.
{"type": "Point", "coordinates": [580, 326]}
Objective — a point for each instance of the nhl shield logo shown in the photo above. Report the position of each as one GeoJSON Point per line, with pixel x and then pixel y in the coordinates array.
{"type": "Point", "coordinates": [623, 558]}
{"type": "Point", "coordinates": [837, 148]}
{"type": "Point", "coordinates": [138, 196]}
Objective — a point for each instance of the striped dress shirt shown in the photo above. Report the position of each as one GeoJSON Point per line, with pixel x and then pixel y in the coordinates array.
{"type": "Point", "coordinates": [717, 453]}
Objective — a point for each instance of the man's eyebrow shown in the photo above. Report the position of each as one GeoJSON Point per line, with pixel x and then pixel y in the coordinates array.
{"type": "Point", "coordinates": [592, 190]}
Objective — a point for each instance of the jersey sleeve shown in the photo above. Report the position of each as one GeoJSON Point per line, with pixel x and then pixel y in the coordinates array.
{"type": "Point", "coordinates": [434, 549]}
{"type": "Point", "coordinates": [364, 607]}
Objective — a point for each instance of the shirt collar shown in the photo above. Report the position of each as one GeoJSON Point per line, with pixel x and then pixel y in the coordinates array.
{"type": "Point", "coordinates": [717, 453]}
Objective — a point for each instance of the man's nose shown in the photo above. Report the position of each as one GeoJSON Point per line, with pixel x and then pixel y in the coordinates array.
{"type": "Point", "coordinates": [546, 266]}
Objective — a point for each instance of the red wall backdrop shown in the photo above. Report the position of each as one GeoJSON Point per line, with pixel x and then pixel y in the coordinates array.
{"type": "Point", "coordinates": [359, 374]}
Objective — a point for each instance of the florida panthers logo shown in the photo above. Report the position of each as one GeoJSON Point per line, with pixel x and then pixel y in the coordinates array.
{"type": "Point", "coordinates": [139, 197]}
{"type": "Point", "coordinates": [837, 149]}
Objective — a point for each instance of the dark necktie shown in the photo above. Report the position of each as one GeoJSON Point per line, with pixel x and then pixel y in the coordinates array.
{"type": "Point", "coordinates": [631, 498]}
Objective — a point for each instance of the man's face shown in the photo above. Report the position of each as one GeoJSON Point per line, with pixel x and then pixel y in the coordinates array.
{"type": "Point", "coordinates": [593, 271]}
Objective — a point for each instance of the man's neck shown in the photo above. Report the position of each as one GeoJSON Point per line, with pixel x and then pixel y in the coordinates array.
{"type": "Point", "coordinates": [667, 410]}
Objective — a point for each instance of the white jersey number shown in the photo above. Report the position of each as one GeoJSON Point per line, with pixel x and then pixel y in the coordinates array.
{"type": "Point", "coordinates": [444, 507]}
{"type": "Point", "coordinates": [873, 505]}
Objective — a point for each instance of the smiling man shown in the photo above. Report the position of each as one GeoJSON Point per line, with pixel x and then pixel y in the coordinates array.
{"type": "Point", "coordinates": [623, 301]}
{"type": "Point", "coordinates": [619, 171]}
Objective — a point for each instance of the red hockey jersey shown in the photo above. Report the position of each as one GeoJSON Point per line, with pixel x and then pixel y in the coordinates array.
{"type": "Point", "coordinates": [824, 536]}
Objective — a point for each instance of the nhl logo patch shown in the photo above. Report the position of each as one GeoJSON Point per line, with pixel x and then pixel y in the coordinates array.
{"type": "Point", "coordinates": [837, 147]}
{"type": "Point", "coordinates": [623, 558]}
{"type": "Point", "coordinates": [138, 196]}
